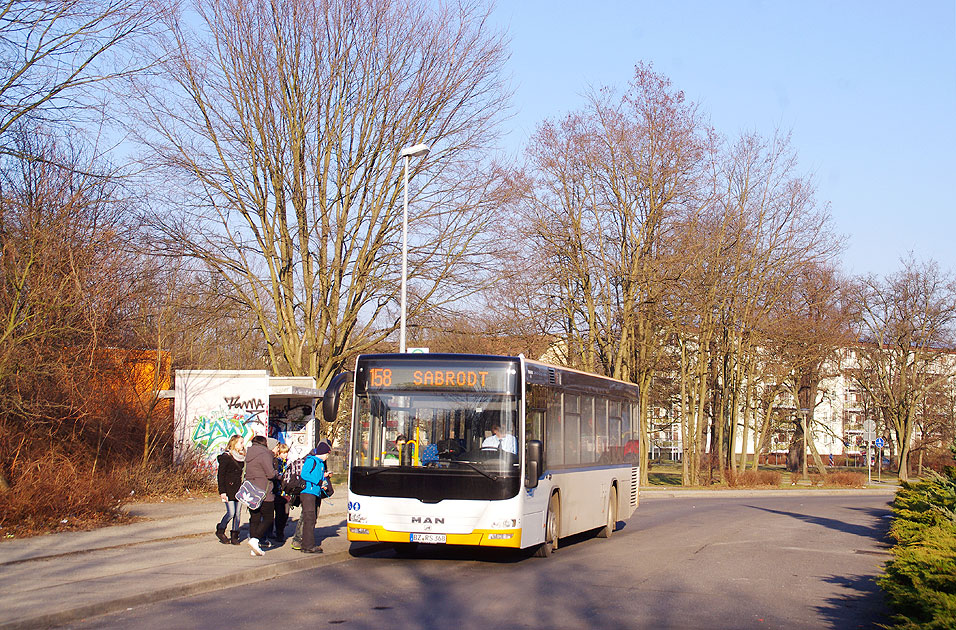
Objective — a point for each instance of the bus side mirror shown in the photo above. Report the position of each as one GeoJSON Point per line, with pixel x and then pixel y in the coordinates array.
{"type": "Point", "coordinates": [330, 401]}
{"type": "Point", "coordinates": [533, 463]}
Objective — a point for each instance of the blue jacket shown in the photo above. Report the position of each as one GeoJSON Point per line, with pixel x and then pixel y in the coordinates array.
{"type": "Point", "coordinates": [313, 473]}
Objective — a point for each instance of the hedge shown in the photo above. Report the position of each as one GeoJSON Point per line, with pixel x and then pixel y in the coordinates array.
{"type": "Point", "coordinates": [920, 581]}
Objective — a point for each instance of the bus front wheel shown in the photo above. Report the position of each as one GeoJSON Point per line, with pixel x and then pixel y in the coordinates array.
{"type": "Point", "coordinates": [550, 529]}
{"type": "Point", "coordinates": [608, 528]}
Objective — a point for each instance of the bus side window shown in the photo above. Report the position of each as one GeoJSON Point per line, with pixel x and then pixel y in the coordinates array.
{"type": "Point", "coordinates": [600, 422]}
{"type": "Point", "coordinates": [587, 430]}
{"type": "Point", "coordinates": [553, 435]}
{"type": "Point", "coordinates": [614, 432]}
{"type": "Point", "coordinates": [572, 428]}
{"type": "Point", "coordinates": [535, 419]}
{"type": "Point", "coordinates": [534, 414]}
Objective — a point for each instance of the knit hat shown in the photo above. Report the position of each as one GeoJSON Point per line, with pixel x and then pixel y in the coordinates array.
{"type": "Point", "coordinates": [323, 448]}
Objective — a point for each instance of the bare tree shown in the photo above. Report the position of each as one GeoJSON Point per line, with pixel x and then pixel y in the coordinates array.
{"type": "Point", "coordinates": [54, 53]}
{"type": "Point", "coordinates": [282, 123]}
{"type": "Point", "coordinates": [742, 253]}
{"type": "Point", "coordinates": [906, 329]}
{"type": "Point", "coordinates": [811, 325]}
{"type": "Point", "coordinates": [610, 185]}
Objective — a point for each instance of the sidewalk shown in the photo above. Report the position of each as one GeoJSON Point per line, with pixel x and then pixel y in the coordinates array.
{"type": "Point", "coordinates": [173, 552]}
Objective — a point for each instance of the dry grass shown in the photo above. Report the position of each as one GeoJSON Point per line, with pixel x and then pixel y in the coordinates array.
{"type": "Point", "coordinates": [52, 494]}
{"type": "Point", "coordinates": [157, 481]}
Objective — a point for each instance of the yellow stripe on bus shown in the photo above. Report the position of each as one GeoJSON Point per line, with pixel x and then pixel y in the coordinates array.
{"type": "Point", "coordinates": [478, 538]}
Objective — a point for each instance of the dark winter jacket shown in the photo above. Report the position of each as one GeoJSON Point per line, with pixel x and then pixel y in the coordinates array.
{"type": "Point", "coordinates": [260, 469]}
{"type": "Point", "coordinates": [230, 475]}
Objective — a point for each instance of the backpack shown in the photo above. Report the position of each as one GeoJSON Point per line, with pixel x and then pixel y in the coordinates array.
{"type": "Point", "coordinates": [292, 481]}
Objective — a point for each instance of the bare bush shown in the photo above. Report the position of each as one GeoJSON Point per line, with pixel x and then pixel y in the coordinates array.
{"type": "Point", "coordinates": [753, 478]}
{"type": "Point", "coordinates": [845, 479]}
{"type": "Point", "coordinates": [58, 491]}
{"type": "Point", "coordinates": [163, 479]}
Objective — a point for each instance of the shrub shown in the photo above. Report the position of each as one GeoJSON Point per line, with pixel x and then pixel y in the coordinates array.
{"type": "Point", "coordinates": [156, 481]}
{"type": "Point", "coordinates": [752, 478]}
{"type": "Point", "coordinates": [58, 492]}
{"type": "Point", "coordinates": [53, 494]}
{"type": "Point", "coordinates": [845, 479]}
{"type": "Point", "coordinates": [920, 581]}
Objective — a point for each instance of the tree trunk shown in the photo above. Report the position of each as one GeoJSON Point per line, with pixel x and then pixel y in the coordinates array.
{"type": "Point", "coordinates": [685, 427]}
{"type": "Point", "coordinates": [817, 460]}
{"type": "Point", "coordinates": [903, 471]}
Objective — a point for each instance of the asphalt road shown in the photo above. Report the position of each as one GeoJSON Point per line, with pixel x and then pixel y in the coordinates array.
{"type": "Point", "coordinates": [759, 562]}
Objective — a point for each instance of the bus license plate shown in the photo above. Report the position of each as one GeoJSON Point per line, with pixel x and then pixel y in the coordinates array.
{"type": "Point", "coordinates": [428, 538]}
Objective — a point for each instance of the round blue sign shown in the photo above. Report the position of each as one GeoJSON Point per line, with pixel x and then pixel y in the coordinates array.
{"type": "Point", "coordinates": [879, 442]}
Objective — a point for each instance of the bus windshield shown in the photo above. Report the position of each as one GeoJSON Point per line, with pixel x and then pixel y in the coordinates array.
{"type": "Point", "coordinates": [437, 430]}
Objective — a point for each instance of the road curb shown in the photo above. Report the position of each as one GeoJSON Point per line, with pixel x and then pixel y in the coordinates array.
{"type": "Point", "coordinates": [238, 578]}
{"type": "Point", "coordinates": [646, 493]}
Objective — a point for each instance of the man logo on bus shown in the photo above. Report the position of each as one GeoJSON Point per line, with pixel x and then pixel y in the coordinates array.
{"type": "Point", "coordinates": [428, 519]}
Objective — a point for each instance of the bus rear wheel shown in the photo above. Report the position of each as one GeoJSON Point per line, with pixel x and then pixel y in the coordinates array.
{"type": "Point", "coordinates": [550, 529]}
{"type": "Point", "coordinates": [608, 528]}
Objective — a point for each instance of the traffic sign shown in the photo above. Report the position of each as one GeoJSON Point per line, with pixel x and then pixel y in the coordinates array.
{"type": "Point", "coordinates": [879, 442]}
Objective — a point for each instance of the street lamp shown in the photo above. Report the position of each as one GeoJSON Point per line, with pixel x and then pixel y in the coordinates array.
{"type": "Point", "coordinates": [417, 150]}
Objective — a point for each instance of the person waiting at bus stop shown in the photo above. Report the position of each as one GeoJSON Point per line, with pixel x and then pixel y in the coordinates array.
{"type": "Point", "coordinates": [260, 471]}
{"type": "Point", "coordinates": [500, 440]}
{"type": "Point", "coordinates": [315, 475]}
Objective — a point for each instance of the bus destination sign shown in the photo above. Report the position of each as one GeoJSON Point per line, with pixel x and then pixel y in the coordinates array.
{"type": "Point", "coordinates": [445, 375]}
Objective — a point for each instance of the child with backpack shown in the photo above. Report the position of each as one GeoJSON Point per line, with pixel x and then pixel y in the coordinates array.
{"type": "Point", "coordinates": [315, 477]}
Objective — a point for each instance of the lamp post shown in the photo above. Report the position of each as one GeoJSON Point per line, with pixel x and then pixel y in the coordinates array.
{"type": "Point", "coordinates": [417, 150]}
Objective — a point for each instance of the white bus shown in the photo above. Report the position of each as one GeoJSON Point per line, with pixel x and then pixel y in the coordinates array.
{"type": "Point", "coordinates": [497, 452]}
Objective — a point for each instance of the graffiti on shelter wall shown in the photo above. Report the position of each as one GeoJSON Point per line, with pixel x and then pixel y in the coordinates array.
{"type": "Point", "coordinates": [213, 430]}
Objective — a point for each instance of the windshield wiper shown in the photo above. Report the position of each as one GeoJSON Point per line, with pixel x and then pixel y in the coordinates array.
{"type": "Point", "coordinates": [475, 467]}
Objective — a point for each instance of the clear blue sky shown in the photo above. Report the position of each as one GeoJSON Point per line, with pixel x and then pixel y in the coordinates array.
{"type": "Point", "coordinates": [867, 88]}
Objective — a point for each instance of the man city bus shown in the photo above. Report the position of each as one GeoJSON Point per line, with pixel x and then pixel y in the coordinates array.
{"type": "Point", "coordinates": [490, 451]}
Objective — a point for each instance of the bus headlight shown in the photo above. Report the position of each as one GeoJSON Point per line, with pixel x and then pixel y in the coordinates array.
{"type": "Point", "coordinates": [359, 530]}
{"type": "Point", "coordinates": [500, 536]}
{"type": "Point", "coordinates": [508, 523]}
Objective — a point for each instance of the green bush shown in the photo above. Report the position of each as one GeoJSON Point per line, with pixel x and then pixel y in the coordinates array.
{"type": "Point", "coordinates": [920, 581]}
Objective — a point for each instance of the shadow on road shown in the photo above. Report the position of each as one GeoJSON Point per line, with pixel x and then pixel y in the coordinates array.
{"type": "Point", "coordinates": [475, 554]}
{"type": "Point", "coordinates": [861, 603]}
{"type": "Point", "coordinates": [877, 529]}
{"type": "Point", "coordinates": [861, 607]}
